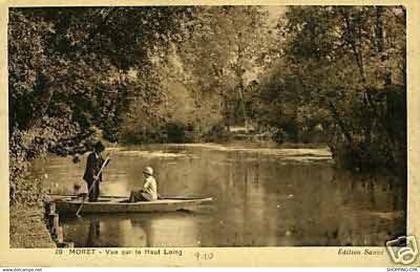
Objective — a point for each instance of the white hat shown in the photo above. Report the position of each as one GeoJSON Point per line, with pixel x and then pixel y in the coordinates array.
{"type": "Point", "coordinates": [148, 170]}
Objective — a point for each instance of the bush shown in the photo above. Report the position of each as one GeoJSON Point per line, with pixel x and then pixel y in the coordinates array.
{"type": "Point", "coordinates": [217, 133]}
{"type": "Point", "coordinates": [176, 132]}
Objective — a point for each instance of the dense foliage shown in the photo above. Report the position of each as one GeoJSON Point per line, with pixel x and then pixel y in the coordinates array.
{"type": "Point", "coordinates": [73, 71]}
{"type": "Point", "coordinates": [174, 74]}
{"type": "Point", "coordinates": [343, 72]}
{"type": "Point", "coordinates": [204, 79]}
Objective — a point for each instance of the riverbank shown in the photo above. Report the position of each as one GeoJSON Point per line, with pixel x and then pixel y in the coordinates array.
{"type": "Point", "coordinates": [27, 228]}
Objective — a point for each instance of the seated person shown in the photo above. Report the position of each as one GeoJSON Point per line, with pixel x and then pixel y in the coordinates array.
{"type": "Point", "coordinates": [149, 191]}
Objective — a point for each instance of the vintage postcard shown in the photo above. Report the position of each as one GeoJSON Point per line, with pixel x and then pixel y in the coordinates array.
{"type": "Point", "coordinates": [244, 133]}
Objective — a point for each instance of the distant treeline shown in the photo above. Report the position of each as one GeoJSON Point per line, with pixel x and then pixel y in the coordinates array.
{"type": "Point", "coordinates": [182, 74]}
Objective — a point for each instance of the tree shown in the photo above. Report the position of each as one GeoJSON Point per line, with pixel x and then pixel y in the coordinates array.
{"type": "Point", "coordinates": [226, 52]}
{"type": "Point", "coordinates": [350, 62]}
{"type": "Point", "coordinates": [69, 73]}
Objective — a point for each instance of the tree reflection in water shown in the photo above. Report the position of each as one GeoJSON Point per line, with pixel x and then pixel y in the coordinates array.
{"type": "Point", "coordinates": [94, 232]}
{"type": "Point", "coordinates": [261, 199]}
{"type": "Point", "coordinates": [132, 230]}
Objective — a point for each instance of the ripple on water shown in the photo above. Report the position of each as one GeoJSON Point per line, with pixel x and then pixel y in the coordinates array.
{"type": "Point", "coordinates": [153, 154]}
{"type": "Point", "coordinates": [262, 197]}
{"type": "Point", "coordinates": [294, 153]}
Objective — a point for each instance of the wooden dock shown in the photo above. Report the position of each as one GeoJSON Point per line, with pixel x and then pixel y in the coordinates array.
{"type": "Point", "coordinates": [52, 219]}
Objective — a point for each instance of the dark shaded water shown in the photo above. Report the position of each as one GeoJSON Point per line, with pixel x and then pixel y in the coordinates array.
{"type": "Point", "coordinates": [263, 197]}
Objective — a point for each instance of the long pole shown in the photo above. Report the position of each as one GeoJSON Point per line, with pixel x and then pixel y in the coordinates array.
{"type": "Point", "coordinates": [94, 182]}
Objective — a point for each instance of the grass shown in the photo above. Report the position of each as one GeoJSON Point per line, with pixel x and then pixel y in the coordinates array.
{"type": "Point", "coordinates": [27, 228]}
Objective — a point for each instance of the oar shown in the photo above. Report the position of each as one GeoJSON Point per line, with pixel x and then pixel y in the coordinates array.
{"type": "Point", "coordinates": [104, 164]}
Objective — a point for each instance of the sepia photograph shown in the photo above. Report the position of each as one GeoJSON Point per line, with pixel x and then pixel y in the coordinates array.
{"type": "Point", "coordinates": [207, 126]}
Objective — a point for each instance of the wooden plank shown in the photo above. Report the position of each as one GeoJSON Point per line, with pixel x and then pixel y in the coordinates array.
{"type": "Point", "coordinates": [58, 196]}
{"type": "Point", "coordinates": [60, 234]}
{"type": "Point", "coordinates": [121, 197]}
{"type": "Point", "coordinates": [52, 220]}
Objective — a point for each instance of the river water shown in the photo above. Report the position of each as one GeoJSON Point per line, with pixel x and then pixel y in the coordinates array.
{"type": "Point", "coordinates": [263, 197]}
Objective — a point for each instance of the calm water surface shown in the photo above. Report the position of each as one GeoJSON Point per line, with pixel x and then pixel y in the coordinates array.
{"type": "Point", "coordinates": [263, 197]}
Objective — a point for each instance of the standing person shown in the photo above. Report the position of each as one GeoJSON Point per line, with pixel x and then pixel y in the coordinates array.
{"type": "Point", "coordinates": [93, 165]}
{"type": "Point", "coordinates": [149, 191]}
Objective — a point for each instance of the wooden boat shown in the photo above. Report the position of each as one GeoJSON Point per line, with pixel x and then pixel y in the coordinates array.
{"type": "Point", "coordinates": [111, 204]}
